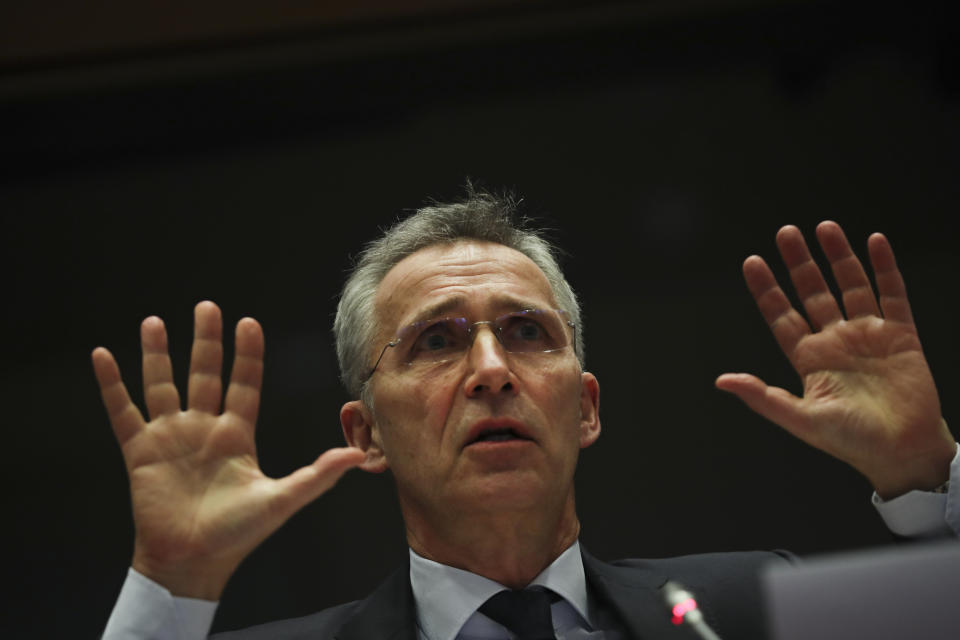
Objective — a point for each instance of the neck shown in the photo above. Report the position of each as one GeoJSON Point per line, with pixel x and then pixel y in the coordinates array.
{"type": "Point", "coordinates": [506, 547]}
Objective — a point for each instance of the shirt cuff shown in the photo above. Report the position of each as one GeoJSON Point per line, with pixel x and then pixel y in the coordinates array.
{"type": "Point", "coordinates": [147, 611]}
{"type": "Point", "coordinates": [924, 514]}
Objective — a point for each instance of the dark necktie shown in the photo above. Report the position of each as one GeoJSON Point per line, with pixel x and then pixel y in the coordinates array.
{"type": "Point", "coordinates": [526, 613]}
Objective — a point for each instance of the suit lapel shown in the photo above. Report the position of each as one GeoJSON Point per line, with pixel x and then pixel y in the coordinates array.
{"type": "Point", "coordinates": [634, 595]}
{"type": "Point", "coordinates": [386, 614]}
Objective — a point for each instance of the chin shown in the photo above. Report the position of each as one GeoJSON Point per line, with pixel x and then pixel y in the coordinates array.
{"type": "Point", "coordinates": [520, 489]}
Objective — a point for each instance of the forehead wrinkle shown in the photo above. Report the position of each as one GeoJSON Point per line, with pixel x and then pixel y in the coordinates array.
{"type": "Point", "coordinates": [429, 273]}
{"type": "Point", "coordinates": [459, 301]}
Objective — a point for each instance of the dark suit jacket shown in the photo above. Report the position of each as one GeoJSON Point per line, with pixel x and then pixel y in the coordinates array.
{"type": "Point", "coordinates": [726, 586]}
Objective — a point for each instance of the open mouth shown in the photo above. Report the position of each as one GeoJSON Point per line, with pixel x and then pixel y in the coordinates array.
{"type": "Point", "coordinates": [498, 435]}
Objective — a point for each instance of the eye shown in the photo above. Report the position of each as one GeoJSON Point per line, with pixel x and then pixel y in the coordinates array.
{"type": "Point", "coordinates": [440, 339]}
{"type": "Point", "coordinates": [525, 333]}
{"type": "Point", "coordinates": [433, 341]}
{"type": "Point", "coordinates": [529, 330]}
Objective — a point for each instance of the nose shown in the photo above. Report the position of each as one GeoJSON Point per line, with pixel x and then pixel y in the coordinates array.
{"type": "Point", "coordinates": [489, 369]}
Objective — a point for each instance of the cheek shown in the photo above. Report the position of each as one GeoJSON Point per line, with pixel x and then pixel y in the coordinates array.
{"type": "Point", "coordinates": [415, 411]}
{"type": "Point", "coordinates": [560, 401]}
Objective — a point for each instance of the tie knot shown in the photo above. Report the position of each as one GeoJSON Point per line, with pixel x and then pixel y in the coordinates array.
{"type": "Point", "coordinates": [526, 613]}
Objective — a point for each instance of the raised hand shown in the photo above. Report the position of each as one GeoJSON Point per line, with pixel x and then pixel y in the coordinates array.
{"type": "Point", "coordinates": [200, 502]}
{"type": "Point", "coordinates": [868, 396]}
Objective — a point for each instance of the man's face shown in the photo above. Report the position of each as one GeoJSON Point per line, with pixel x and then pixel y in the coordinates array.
{"type": "Point", "coordinates": [427, 419]}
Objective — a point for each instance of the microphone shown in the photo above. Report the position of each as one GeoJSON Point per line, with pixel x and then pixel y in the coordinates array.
{"type": "Point", "coordinates": [684, 609]}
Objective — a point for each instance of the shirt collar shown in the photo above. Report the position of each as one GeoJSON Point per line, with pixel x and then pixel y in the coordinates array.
{"type": "Point", "coordinates": [446, 596]}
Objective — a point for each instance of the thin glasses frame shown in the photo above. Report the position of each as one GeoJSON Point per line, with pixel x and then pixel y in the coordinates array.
{"type": "Point", "coordinates": [415, 331]}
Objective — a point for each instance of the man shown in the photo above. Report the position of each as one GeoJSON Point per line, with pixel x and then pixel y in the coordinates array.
{"type": "Point", "coordinates": [462, 345]}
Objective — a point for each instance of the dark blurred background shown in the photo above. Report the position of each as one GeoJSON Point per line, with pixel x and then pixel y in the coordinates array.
{"type": "Point", "coordinates": [157, 154]}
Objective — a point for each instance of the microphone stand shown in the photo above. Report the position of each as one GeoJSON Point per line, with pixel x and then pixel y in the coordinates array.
{"type": "Point", "coordinates": [685, 611]}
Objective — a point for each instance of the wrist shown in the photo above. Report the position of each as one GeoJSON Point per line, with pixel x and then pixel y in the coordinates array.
{"type": "Point", "coordinates": [929, 473]}
{"type": "Point", "coordinates": [189, 579]}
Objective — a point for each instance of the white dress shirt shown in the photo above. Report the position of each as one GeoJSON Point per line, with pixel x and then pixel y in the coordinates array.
{"type": "Point", "coordinates": [447, 598]}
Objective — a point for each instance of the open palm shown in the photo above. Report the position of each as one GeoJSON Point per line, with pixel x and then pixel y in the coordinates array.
{"type": "Point", "coordinates": [868, 396]}
{"type": "Point", "coordinates": [200, 501]}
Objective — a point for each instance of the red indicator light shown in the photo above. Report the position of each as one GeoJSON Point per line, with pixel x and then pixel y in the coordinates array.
{"type": "Point", "coordinates": [683, 608]}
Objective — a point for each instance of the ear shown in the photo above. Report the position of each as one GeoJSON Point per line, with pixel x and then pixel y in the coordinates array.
{"type": "Point", "coordinates": [589, 409]}
{"type": "Point", "coordinates": [361, 432]}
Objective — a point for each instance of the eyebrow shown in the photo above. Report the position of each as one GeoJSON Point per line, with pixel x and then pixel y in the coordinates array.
{"type": "Point", "coordinates": [444, 307]}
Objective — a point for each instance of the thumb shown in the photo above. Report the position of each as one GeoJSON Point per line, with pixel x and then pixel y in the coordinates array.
{"type": "Point", "coordinates": [308, 483]}
{"type": "Point", "coordinates": [773, 403]}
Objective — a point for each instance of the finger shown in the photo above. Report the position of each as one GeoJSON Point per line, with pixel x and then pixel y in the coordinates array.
{"type": "Point", "coordinates": [773, 403]}
{"type": "Point", "coordinates": [786, 323]}
{"type": "Point", "coordinates": [243, 394]}
{"type": "Point", "coordinates": [204, 387]}
{"type": "Point", "coordinates": [124, 416]}
{"type": "Point", "coordinates": [158, 389]}
{"type": "Point", "coordinates": [308, 483]}
{"type": "Point", "coordinates": [890, 285]}
{"type": "Point", "coordinates": [821, 306]}
{"type": "Point", "coordinates": [858, 297]}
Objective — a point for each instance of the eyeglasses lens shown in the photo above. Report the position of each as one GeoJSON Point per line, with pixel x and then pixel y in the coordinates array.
{"type": "Point", "coordinates": [527, 331]}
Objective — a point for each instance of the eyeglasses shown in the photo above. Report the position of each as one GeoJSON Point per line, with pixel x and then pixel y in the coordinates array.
{"type": "Point", "coordinates": [445, 339]}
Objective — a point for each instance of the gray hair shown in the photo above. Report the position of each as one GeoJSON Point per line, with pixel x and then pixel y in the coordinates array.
{"type": "Point", "coordinates": [479, 216]}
